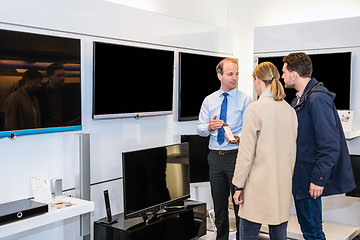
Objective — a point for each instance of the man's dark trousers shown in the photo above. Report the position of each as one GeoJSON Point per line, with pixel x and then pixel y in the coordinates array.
{"type": "Point", "coordinates": [221, 171]}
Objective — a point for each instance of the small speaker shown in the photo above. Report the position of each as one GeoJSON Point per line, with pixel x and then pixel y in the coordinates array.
{"type": "Point", "coordinates": [57, 185]}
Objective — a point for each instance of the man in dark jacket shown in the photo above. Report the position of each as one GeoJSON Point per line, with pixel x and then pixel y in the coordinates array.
{"type": "Point", "coordinates": [322, 164]}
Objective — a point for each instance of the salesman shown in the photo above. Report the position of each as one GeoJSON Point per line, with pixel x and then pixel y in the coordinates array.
{"type": "Point", "coordinates": [226, 105]}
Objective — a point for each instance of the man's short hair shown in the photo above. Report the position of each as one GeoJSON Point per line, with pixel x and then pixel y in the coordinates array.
{"type": "Point", "coordinates": [220, 66]}
{"type": "Point", "coordinates": [300, 63]}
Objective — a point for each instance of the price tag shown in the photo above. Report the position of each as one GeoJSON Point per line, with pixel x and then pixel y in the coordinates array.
{"type": "Point", "coordinates": [41, 187]}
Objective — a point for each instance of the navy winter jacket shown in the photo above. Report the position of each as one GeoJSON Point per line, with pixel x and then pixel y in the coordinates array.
{"type": "Point", "coordinates": [322, 156]}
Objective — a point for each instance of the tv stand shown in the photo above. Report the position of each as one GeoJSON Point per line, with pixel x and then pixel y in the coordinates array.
{"type": "Point", "coordinates": [183, 223]}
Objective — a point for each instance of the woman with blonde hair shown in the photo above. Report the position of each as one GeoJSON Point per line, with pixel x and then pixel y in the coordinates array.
{"type": "Point", "coordinates": [266, 158]}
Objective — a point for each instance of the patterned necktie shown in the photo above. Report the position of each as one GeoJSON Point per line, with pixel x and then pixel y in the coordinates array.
{"type": "Point", "coordinates": [221, 135]}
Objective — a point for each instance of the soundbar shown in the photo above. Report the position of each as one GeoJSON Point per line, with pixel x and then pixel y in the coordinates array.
{"type": "Point", "coordinates": [20, 209]}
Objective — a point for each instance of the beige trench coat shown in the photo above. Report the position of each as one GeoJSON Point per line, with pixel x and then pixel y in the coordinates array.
{"type": "Point", "coordinates": [265, 161]}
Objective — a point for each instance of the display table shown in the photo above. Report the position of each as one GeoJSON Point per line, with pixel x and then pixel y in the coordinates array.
{"type": "Point", "coordinates": [187, 223]}
{"type": "Point", "coordinates": [73, 207]}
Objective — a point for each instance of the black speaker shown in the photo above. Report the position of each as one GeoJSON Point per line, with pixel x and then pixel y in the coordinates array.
{"type": "Point", "coordinates": [108, 209]}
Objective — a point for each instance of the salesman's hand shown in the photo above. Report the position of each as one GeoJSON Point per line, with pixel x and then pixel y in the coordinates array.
{"type": "Point", "coordinates": [238, 197]}
{"type": "Point", "coordinates": [237, 139]}
{"type": "Point", "coordinates": [315, 190]}
{"type": "Point", "coordinates": [215, 124]}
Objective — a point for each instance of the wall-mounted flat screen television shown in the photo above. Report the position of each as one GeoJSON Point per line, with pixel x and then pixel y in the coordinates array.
{"type": "Point", "coordinates": [197, 79]}
{"type": "Point", "coordinates": [198, 153]}
{"type": "Point", "coordinates": [333, 69]}
{"type": "Point", "coordinates": [132, 81]}
{"type": "Point", "coordinates": [155, 178]}
{"type": "Point", "coordinates": [33, 100]}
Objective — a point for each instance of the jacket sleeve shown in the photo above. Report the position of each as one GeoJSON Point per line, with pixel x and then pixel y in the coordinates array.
{"type": "Point", "coordinates": [327, 137]}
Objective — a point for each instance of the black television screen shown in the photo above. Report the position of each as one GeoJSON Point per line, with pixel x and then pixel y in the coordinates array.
{"type": "Point", "coordinates": [197, 79]}
{"type": "Point", "coordinates": [198, 153]}
{"type": "Point", "coordinates": [355, 162]}
{"type": "Point", "coordinates": [333, 69]}
{"type": "Point", "coordinates": [132, 81]}
{"type": "Point", "coordinates": [25, 110]}
{"type": "Point", "coordinates": [155, 178]}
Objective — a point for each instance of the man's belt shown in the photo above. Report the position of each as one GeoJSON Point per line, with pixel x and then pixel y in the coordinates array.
{"type": "Point", "coordinates": [225, 152]}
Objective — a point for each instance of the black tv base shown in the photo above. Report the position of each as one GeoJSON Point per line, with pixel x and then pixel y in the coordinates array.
{"type": "Point", "coordinates": [187, 223]}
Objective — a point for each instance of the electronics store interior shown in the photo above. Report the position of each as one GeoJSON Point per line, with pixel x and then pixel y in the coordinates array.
{"type": "Point", "coordinates": [100, 104]}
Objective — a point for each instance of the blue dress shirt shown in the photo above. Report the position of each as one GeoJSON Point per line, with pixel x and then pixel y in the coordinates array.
{"type": "Point", "coordinates": [237, 104]}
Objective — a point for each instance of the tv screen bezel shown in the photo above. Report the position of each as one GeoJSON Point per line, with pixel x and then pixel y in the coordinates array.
{"type": "Point", "coordinates": [32, 63]}
{"type": "Point", "coordinates": [135, 114]}
{"type": "Point", "coordinates": [144, 211]}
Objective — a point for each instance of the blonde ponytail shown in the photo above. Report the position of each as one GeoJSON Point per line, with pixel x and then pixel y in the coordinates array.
{"type": "Point", "coordinates": [277, 89]}
{"type": "Point", "coordinates": [269, 74]}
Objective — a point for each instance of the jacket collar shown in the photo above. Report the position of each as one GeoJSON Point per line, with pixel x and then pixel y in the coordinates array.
{"type": "Point", "coordinates": [312, 86]}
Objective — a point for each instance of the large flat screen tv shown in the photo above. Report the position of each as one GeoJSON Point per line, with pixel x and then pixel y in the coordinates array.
{"type": "Point", "coordinates": [155, 178]}
{"type": "Point", "coordinates": [355, 162]}
{"type": "Point", "coordinates": [23, 112]}
{"type": "Point", "coordinates": [333, 69]}
{"type": "Point", "coordinates": [132, 81]}
{"type": "Point", "coordinates": [197, 79]}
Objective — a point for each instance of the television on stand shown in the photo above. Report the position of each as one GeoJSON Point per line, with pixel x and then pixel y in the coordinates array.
{"type": "Point", "coordinates": [155, 179]}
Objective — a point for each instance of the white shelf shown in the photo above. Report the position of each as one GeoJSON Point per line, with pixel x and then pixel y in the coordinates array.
{"type": "Point", "coordinates": [79, 207]}
{"type": "Point", "coordinates": [349, 135]}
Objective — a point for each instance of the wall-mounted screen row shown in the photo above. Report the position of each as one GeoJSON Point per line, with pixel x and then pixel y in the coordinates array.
{"type": "Point", "coordinates": [138, 81]}
{"type": "Point", "coordinates": [39, 83]}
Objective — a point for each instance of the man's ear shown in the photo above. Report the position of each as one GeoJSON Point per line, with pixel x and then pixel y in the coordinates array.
{"type": "Point", "coordinates": [294, 75]}
{"type": "Point", "coordinates": [219, 76]}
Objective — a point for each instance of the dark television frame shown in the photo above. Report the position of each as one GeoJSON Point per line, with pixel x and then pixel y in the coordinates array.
{"type": "Point", "coordinates": [161, 205]}
{"type": "Point", "coordinates": [203, 81]}
{"type": "Point", "coordinates": [54, 47]}
{"type": "Point", "coordinates": [198, 153]}
{"type": "Point", "coordinates": [355, 162]}
{"type": "Point", "coordinates": [320, 61]}
{"type": "Point", "coordinates": [136, 54]}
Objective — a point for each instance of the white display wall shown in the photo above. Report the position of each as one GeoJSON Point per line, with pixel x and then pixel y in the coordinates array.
{"type": "Point", "coordinates": [56, 153]}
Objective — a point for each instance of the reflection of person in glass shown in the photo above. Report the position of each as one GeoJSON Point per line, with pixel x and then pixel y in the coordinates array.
{"type": "Point", "coordinates": [22, 106]}
{"type": "Point", "coordinates": [58, 106]}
